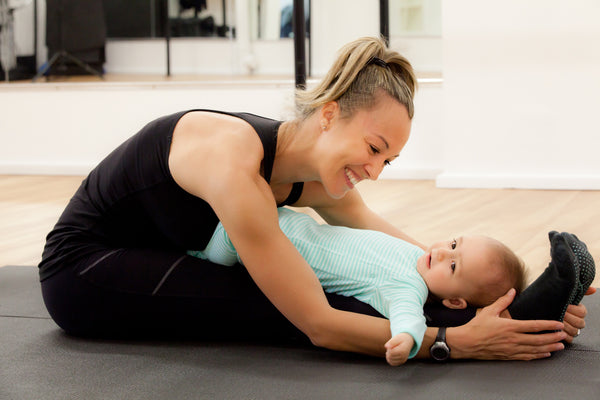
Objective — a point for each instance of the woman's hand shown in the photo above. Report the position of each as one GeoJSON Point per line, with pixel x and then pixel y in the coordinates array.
{"type": "Point", "coordinates": [488, 336]}
{"type": "Point", "coordinates": [574, 319]}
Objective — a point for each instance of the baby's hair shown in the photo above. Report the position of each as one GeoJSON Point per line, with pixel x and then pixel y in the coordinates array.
{"type": "Point", "coordinates": [511, 273]}
{"type": "Point", "coordinates": [362, 70]}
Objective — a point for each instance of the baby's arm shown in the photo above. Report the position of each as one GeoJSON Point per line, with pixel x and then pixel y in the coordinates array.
{"type": "Point", "coordinates": [398, 348]}
{"type": "Point", "coordinates": [407, 322]}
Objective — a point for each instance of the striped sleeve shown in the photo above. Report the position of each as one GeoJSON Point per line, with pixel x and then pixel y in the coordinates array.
{"type": "Point", "coordinates": [219, 249]}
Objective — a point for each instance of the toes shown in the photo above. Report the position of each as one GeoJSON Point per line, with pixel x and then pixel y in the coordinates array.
{"type": "Point", "coordinates": [561, 252]}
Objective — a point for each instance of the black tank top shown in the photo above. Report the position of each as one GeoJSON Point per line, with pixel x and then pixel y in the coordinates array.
{"type": "Point", "coordinates": [130, 200]}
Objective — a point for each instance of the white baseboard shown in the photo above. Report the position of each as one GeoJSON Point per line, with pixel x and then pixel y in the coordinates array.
{"type": "Point", "coordinates": [533, 181]}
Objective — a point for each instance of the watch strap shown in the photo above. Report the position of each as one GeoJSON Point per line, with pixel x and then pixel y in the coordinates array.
{"type": "Point", "coordinates": [441, 335]}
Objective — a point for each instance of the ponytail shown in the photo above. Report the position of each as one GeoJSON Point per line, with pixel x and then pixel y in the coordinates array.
{"type": "Point", "coordinates": [362, 69]}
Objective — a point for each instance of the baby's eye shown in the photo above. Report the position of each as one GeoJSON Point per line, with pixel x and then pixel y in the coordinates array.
{"type": "Point", "coordinates": [453, 266]}
{"type": "Point", "coordinates": [453, 244]}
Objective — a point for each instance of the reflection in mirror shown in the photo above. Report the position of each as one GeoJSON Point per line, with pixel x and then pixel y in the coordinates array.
{"type": "Point", "coordinates": [194, 18]}
{"type": "Point", "coordinates": [134, 18]}
{"type": "Point", "coordinates": [415, 17]}
{"type": "Point", "coordinates": [272, 19]}
{"type": "Point", "coordinates": [416, 32]}
{"type": "Point", "coordinates": [187, 18]}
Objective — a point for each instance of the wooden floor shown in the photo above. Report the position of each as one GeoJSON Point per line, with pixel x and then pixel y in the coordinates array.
{"type": "Point", "coordinates": [30, 205]}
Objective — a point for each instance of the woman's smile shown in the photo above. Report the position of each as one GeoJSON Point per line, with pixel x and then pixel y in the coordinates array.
{"type": "Point", "coordinates": [352, 178]}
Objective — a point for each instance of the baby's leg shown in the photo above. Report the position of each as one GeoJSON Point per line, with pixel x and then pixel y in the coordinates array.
{"type": "Point", "coordinates": [559, 285]}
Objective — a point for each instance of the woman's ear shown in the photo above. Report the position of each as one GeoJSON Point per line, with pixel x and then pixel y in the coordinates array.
{"type": "Point", "coordinates": [328, 113]}
{"type": "Point", "coordinates": [456, 303]}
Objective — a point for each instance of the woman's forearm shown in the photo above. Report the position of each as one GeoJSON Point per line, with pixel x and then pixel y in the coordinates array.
{"type": "Point", "coordinates": [428, 340]}
{"type": "Point", "coordinates": [352, 332]}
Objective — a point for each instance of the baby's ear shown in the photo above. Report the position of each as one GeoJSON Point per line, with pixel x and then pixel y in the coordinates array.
{"type": "Point", "coordinates": [456, 303]}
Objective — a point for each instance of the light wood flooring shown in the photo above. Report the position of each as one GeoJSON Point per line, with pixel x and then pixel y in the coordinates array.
{"type": "Point", "coordinates": [30, 205]}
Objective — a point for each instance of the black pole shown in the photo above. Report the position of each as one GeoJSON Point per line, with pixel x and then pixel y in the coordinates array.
{"type": "Point", "coordinates": [223, 6]}
{"type": "Point", "coordinates": [35, 34]}
{"type": "Point", "coordinates": [167, 35]}
{"type": "Point", "coordinates": [299, 28]}
{"type": "Point", "coordinates": [384, 20]}
{"type": "Point", "coordinates": [309, 34]}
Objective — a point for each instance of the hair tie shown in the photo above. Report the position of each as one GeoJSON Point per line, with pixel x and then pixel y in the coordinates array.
{"type": "Point", "coordinates": [378, 61]}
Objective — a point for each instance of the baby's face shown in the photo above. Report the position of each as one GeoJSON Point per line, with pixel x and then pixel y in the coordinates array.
{"type": "Point", "coordinates": [457, 267]}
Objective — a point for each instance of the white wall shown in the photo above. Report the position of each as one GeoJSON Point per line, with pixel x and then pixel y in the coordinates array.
{"type": "Point", "coordinates": [521, 93]}
{"type": "Point", "coordinates": [422, 157]}
{"type": "Point", "coordinates": [68, 128]}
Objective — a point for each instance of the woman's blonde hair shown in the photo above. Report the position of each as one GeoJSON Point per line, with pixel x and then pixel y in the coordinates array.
{"type": "Point", "coordinates": [362, 69]}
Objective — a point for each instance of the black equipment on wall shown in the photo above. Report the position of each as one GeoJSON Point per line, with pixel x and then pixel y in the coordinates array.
{"type": "Point", "coordinates": [75, 36]}
{"type": "Point", "coordinates": [135, 18]}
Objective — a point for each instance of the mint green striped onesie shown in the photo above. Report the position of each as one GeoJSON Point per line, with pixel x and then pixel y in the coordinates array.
{"type": "Point", "coordinates": [376, 268]}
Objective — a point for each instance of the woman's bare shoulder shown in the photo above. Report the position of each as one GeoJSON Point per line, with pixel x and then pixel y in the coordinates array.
{"type": "Point", "coordinates": [207, 145]}
{"type": "Point", "coordinates": [206, 124]}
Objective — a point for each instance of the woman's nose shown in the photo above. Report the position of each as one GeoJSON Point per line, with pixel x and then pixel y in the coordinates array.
{"type": "Point", "coordinates": [373, 171]}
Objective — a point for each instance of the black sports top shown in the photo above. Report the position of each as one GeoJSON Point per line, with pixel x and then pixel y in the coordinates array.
{"type": "Point", "coordinates": [130, 200]}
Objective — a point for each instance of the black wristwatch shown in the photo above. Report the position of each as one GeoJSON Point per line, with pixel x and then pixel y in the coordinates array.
{"type": "Point", "coordinates": [439, 350]}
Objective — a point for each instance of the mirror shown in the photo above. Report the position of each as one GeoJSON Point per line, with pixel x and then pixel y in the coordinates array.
{"type": "Point", "coordinates": [199, 18]}
{"type": "Point", "coordinates": [257, 28]}
{"type": "Point", "coordinates": [272, 19]}
{"type": "Point", "coordinates": [268, 19]}
{"type": "Point", "coordinates": [187, 18]}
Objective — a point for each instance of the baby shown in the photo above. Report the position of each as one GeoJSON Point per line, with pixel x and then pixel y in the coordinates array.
{"type": "Point", "coordinates": [395, 277]}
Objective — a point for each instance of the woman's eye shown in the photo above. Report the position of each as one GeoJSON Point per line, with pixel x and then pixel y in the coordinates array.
{"type": "Point", "coordinates": [374, 149]}
{"type": "Point", "coordinates": [453, 266]}
{"type": "Point", "coordinates": [453, 244]}
{"type": "Point", "coordinates": [386, 162]}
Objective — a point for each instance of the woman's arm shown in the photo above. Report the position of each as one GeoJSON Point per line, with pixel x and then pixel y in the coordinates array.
{"type": "Point", "coordinates": [349, 211]}
{"type": "Point", "coordinates": [218, 159]}
{"type": "Point", "coordinates": [286, 278]}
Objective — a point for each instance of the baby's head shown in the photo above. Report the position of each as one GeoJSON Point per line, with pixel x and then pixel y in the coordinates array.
{"type": "Point", "coordinates": [471, 270]}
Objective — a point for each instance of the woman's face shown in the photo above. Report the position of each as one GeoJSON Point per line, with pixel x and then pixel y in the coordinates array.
{"type": "Point", "coordinates": [360, 147]}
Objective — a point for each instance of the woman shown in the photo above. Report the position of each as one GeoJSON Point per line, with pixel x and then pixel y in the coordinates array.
{"type": "Point", "coordinates": [115, 263]}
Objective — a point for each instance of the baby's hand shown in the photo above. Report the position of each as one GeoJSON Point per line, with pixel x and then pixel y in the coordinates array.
{"type": "Point", "coordinates": [398, 348]}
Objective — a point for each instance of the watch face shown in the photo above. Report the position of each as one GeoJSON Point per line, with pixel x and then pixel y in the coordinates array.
{"type": "Point", "coordinates": [439, 352]}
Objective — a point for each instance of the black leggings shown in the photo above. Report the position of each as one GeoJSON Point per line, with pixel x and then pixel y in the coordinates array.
{"type": "Point", "coordinates": [141, 293]}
